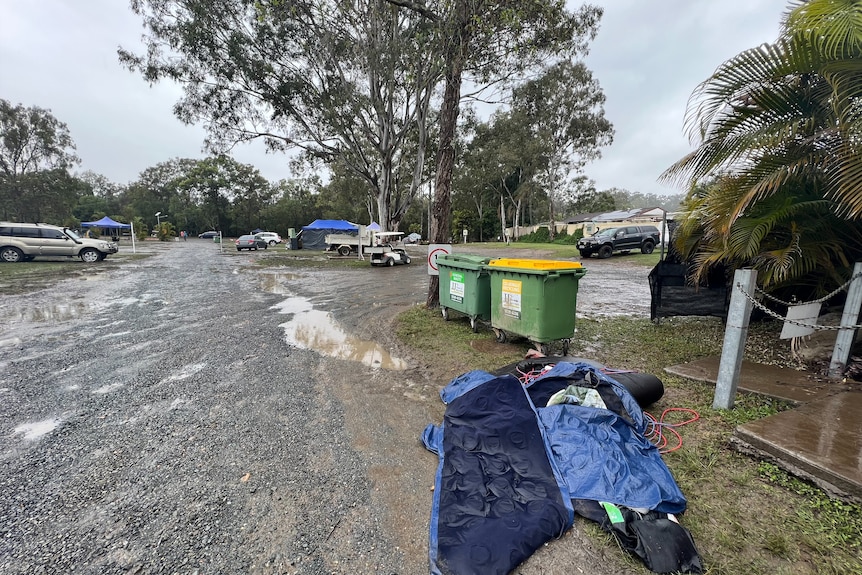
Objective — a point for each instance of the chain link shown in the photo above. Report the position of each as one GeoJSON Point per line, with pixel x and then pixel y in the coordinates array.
{"type": "Point", "coordinates": [780, 317]}
{"type": "Point", "coordinates": [821, 300]}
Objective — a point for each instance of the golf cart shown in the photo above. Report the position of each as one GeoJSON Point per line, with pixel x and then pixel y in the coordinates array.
{"type": "Point", "coordinates": [384, 253]}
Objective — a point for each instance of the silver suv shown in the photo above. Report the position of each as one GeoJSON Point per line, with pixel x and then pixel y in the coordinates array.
{"type": "Point", "coordinates": [21, 242]}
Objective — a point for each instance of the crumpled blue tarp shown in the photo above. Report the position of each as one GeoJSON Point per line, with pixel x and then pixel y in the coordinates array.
{"type": "Point", "coordinates": [509, 467]}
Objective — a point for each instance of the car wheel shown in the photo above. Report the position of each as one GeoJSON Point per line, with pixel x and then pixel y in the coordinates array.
{"type": "Point", "coordinates": [605, 252]}
{"type": "Point", "coordinates": [90, 255]}
{"type": "Point", "coordinates": [11, 255]}
{"type": "Point", "coordinates": [239, 249]}
{"type": "Point", "coordinates": [406, 260]}
{"type": "Point", "coordinates": [272, 242]}
{"type": "Point", "coordinates": [647, 248]}
{"type": "Point", "coordinates": [344, 250]}
{"type": "Point", "coordinates": [585, 253]}
{"type": "Point", "coordinates": [390, 262]}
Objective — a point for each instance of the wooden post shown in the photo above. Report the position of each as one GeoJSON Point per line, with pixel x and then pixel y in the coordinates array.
{"type": "Point", "coordinates": [735, 333]}
{"type": "Point", "coordinates": [846, 335]}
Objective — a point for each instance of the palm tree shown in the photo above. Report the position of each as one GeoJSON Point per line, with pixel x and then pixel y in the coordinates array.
{"type": "Point", "coordinates": [776, 178]}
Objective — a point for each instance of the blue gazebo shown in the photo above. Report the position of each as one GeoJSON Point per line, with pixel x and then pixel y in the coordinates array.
{"type": "Point", "coordinates": [110, 224]}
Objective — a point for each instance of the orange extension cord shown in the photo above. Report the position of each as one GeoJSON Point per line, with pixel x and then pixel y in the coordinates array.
{"type": "Point", "coordinates": [658, 429]}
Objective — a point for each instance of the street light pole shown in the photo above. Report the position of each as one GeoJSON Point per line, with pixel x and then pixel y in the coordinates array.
{"type": "Point", "coordinates": [158, 220]}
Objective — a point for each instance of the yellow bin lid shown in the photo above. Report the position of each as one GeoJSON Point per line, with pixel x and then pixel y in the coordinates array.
{"type": "Point", "coordinates": [533, 264]}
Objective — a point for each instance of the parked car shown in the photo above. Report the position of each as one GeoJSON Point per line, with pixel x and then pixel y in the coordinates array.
{"type": "Point", "coordinates": [208, 235]}
{"type": "Point", "coordinates": [619, 239]}
{"type": "Point", "coordinates": [413, 238]}
{"type": "Point", "coordinates": [271, 238]}
{"type": "Point", "coordinates": [21, 242]}
{"type": "Point", "coordinates": [250, 242]}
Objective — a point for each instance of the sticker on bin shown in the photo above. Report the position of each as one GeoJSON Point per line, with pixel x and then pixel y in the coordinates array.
{"type": "Point", "coordinates": [533, 264]}
{"type": "Point", "coordinates": [512, 298]}
{"type": "Point", "coordinates": [456, 287]}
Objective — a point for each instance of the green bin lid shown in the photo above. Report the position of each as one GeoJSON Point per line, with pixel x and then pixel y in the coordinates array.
{"type": "Point", "coordinates": [463, 261]}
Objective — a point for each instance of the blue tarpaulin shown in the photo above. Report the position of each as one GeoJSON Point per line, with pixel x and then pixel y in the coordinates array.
{"type": "Point", "coordinates": [314, 234]}
{"type": "Point", "coordinates": [511, 467]}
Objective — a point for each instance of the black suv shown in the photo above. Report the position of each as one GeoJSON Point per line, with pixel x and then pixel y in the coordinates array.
{"type": "Point", "coordinates": [620, 239]}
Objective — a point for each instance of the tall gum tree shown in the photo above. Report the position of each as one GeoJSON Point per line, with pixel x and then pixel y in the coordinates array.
{"type": "Point", "coordinates": [32, 140]}
{"type": "Point", "coordinates": [564, 109]}
{"type": "Point", "coordinates": [492, 43]}
{"type": "Point", "coordinates": [346, 81]}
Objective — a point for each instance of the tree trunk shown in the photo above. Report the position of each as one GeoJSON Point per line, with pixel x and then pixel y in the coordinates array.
{"type": "Point", "coordinates": [456, 53]}
{"type": "Point", "coordinates": [503, 220]}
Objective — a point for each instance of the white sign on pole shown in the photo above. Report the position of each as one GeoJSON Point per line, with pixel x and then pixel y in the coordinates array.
{"type": "Point", "coordinates": [435, 250]}
{"type": "Point", "coordinates": [806, 313]}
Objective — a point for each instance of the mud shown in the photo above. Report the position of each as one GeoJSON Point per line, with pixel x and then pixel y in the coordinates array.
{"type": "Point", "coordinates": [187, 413]}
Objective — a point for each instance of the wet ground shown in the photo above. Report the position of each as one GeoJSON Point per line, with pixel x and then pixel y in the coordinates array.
{"type": "Point", "coordinates": [820, 440]}
{"type": "Point", "coordinates": [185, 413]}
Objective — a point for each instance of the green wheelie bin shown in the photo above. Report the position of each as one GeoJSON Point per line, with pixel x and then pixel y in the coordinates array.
{"type": "Point", "coordinates": [534, 299]}
{"type": "Point", "coordinates": [465, 287]}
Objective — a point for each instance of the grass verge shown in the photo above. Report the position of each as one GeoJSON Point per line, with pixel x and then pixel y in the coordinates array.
{"type": "Point", "coordinates": [746, 516]}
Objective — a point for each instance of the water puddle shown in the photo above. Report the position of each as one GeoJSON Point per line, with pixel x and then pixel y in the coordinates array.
{"type": "Point", "coordinates": [274, 282]}
{"type": "Point", "coordinates": [55, 312]}
{"type": "Point", "coordinates": [36, 429]}
{"type": "Point", "coordinates": [316, 330]}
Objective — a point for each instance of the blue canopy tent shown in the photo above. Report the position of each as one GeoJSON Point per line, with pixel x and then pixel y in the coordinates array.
{"type": "Point", "coordinates": [314, 234]}
{"type": "Point", "coordinates": [108, 223]}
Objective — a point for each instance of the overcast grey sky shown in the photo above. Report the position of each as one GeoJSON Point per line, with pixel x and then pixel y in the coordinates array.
{"type": "Point", "coordinates": [648, 57]}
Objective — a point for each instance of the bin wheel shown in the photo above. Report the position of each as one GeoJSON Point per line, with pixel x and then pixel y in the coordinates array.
{"type": "Point", "coordinates": [501, 335]}
{"type": "Point", "coordinates": [474, 324]}
{"type": "Point", "coordinates": [445, 313]}
{"type": "Point", "coordinates": [543, 348]}
{"type": "Point", "coordinates": [565, 347]}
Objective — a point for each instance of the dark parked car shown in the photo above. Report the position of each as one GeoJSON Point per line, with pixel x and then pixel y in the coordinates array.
{"type": "Point", "coordinates": [249, 242]}
{"type": "Point", "coordinates": [208, 235]}
{"type": "Point", "coordinates": [620, 239]}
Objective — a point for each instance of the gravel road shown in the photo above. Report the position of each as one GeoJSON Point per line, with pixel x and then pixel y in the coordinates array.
{"type": "Point", "coordinates": [188, 414]}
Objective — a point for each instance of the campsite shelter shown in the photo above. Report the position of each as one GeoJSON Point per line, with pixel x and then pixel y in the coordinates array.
{"type": "Point", "coordinates": [109, 224]}
{"type": "Point", "coordinates": [313, 235]}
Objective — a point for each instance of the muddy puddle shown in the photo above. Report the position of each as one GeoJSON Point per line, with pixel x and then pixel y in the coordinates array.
{"type": "Point", "coordinates": [316, 330]}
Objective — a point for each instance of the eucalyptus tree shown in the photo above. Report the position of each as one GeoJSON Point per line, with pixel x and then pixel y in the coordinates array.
{"type": "Point", "coordinates": [224, 194]}
{"type": "Point", "coordinates": [345, 81]}
{"type": "Point", "coordinates": [295, 204]}
{"type": "Point", "coordinates": [489, 42]}
{"type": "Point", "coordinates": [564, 109]}
{"type": "Point", "coordinates": [157, 189]}
{"type": "Point", "coordinates": [498, 167]}
{"type": "Point", "coordinates": [776, 177]}
{"type": "Point", "coordinates": [32, 140]}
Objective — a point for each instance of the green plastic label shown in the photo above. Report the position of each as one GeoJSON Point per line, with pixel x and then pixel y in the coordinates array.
{"type": "Point", "coordinates": [614, 513]}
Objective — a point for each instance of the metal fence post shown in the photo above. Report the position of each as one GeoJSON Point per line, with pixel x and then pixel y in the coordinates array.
{"type": "Point", "coordinates": [846, 335]}
{"type": "Point", "coordinates": [735, 332]}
